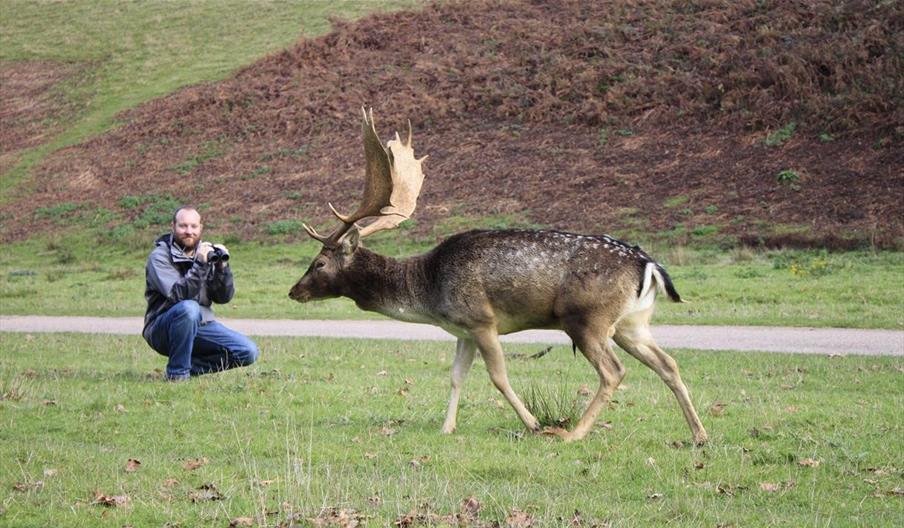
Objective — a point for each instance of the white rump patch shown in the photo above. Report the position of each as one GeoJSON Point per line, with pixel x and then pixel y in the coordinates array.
{"type": "Point", "coordinates": [652, 280]}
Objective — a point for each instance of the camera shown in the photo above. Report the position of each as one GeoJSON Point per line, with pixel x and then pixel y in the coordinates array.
{"type": "Point", "coordinates": [217, 255]}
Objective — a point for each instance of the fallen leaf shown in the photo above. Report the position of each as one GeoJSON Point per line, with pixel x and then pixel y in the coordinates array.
{"type": "Point", "coordinates": [418, 462]}
{"type": "Point", "coordinates": [651, 461]}
{"type": "Point", "coordinates": [347, 518]}
{"type": "Point", "coordinates": [717, 409]}
{"type": "Point", "coordinates": [519, 519]}
{"type": "Point", "coordinates": [896, 492]}
{"type": "Point", "coordinates": [50, 403]}
{"type": "Point", "coordinates": [403, 392]}
{"type": "Point", "coordinates": [370, 456]}
{"type": "Point", "coordinates": [772, 487]}
{"type": "Point", "coordinates": [791, 409]}
{"type": "Point", "coordinates": [120, 408]}
{"type": "Point", "coordinates": [809, 462]}
{"type": "Point", "coordinates": [29, 486]}
{"type": "Point", "coordinates": [375, 500]}
{"type": "Point", "coordinates": [470, 506]}
{"type": "Point", "coordinates": [49, 472]}
{"type": "Point", "coordinates": [698, 465]}
{"type": "Point", "coordinates": [195, 463]}
{"type": "Point", "coordinates": [169, 483]}
{"type": "Point", "coordinates": [114, 501]}
{"type": "Point", "coordinates": [730, 489]}
{"type": "Point", "coordinates": [382, 373]}
{"type": "Point", "coordinates": [241, 521]}
{"type": "Point", "coordinates": [655, 496]}
{"type": "Point", "coordinates": [386, 431]}
{"type": "Point", "coordinates": [132, 465]}
{"type": "Point", "coordinates": [205, 492]}
{"type": "Point", "coordinates": [585, 390]}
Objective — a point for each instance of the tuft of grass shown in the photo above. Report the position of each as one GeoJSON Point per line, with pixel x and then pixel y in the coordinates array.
{"type": "Point", "coordinates": [553, 405]}
{"type": "Point", "coordinates": [781, 135]}
{"type": "Point", "coordinates": [284, 227]}
{"type": "Point", "coordinates": [789, 179]}
{"type": "Point", "coordinates": [58, 211]}
{"type": "Point", "coordinates": [259, 171]}
{"type": "Point", "coordinates": [210, 150]}
{"type": "Point", "coordinates": [675, 201]}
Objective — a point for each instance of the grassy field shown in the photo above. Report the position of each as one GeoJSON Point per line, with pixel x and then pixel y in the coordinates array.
{"type": "Point", "coordinates": [131, 52]}
{"type": "Point", "coordinates": [324, 429]}
{"type": "Point", "coordinates": [92, 275]}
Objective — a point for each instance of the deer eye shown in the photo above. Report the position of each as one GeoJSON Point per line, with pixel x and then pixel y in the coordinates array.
{"type": "Point", "coordinates": [319, 264]}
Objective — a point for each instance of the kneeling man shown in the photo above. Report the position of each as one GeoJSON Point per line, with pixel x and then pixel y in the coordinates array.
{"type": "Point", "coordinates": [184, 277]}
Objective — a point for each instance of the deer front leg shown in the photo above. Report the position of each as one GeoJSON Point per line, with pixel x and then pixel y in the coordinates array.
{"type": "Point", "coordinates": [488, 342]}
{"type": "Point", "coordinates": [464, 357]}
{"type": "Point", "coordinates": [594, 344]}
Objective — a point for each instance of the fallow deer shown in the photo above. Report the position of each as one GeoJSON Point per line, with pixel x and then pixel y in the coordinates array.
{"type": "Point", "coordinates": [478, 285]}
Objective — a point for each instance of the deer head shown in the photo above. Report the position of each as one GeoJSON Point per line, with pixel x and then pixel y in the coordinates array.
{"type": "Point", "coordinates": [392, 182]}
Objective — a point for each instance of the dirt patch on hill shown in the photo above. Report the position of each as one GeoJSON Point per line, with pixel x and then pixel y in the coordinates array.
{"type": "Point", "coordinates": [642, 116]}
{"type": "Point", "coordinates": [30, 107]}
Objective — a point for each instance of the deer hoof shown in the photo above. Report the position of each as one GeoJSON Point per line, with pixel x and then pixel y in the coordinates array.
{"type": "Point", "coordinates": [564, 434]}
{"type": "Point", "coordinates": [700, 439]}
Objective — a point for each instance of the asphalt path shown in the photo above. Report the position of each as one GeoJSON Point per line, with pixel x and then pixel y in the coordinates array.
{"type": "Point", "coordinates": [829, 341]}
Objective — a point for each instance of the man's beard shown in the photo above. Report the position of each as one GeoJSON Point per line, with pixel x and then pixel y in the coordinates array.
{"type": "Point", "coordinates": [184, 242]}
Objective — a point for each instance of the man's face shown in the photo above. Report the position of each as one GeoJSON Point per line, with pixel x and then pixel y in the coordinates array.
{"type": "Point", "coordinates": [187, 228]}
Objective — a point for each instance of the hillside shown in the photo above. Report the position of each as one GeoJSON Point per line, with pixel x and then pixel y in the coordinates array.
{"type": "Point", "coordinates": [757, 122]}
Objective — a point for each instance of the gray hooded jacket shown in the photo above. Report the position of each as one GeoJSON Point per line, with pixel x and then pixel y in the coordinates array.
{"type": "Point", "coordinates": [172, 277]}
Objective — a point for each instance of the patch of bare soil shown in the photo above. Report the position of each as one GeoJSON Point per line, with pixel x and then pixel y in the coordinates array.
{"type": "Point", "coordinates": [30, 108]}
{"type": "Point", "coordinates": [644, 116]}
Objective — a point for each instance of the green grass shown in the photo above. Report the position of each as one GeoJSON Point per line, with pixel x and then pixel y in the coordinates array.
{"type": "Point", "coordinates": [354, 425]}
{"type": "Point", "coordinates": [131, 52]}
{"type": "Point", "coordinates": [95, 274]}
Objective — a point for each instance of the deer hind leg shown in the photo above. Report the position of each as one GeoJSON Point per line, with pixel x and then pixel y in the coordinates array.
{"type": "Point", "coordinates": [593, 341]}
{"type": "Point", "coordinates": [488, 342]}
{"type": "Point", "coordinates": [464, 357]}
{"type": "Point", "coordinates": [633, 335]}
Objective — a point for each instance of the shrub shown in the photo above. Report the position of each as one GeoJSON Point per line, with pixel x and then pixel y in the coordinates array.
{"type": "Point", "coordinates": [283, 227]}
{"type": "Point", "coordinates": [789, 179]}
{"type": "Point", "coordinates": [781, 135]}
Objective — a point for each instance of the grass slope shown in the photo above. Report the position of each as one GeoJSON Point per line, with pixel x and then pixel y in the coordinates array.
{"type": "Point", "coordinates": [131, 52]}
{"type": "Point", "coordinates": [330, 429]}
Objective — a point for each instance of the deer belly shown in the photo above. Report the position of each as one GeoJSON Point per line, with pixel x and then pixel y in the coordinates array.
{"type": "Point", "coordinates": [527, 316]}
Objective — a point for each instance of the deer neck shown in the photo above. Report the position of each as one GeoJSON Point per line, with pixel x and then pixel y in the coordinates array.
{"type": "Point", "coordinates": [382, 284]}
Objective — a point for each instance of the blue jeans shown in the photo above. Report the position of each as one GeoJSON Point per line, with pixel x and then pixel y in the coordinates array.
{"type": "Point", "coordinates": [195, 349]}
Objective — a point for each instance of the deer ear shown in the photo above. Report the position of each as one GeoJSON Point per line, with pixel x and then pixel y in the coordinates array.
{"type": "Point", "coordinates": [349, 241]}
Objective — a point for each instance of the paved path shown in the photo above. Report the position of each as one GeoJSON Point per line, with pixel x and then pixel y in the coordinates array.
{"type": "Point", "coordinates": [840, 341]}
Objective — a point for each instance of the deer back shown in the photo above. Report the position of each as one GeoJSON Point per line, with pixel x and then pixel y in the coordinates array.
{"type": "Point", "coordinates": [531, 279]}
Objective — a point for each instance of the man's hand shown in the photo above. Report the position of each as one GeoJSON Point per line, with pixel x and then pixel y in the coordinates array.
{"type": "Point", "coordinates": [203, 250]}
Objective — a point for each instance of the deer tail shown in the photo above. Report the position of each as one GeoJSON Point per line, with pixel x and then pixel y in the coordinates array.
{"type": "Point", "coordinates": [655, 276]}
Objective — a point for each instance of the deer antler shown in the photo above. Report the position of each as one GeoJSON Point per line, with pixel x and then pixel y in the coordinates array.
{"type": "Point", "coordinates": [392, 183]}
